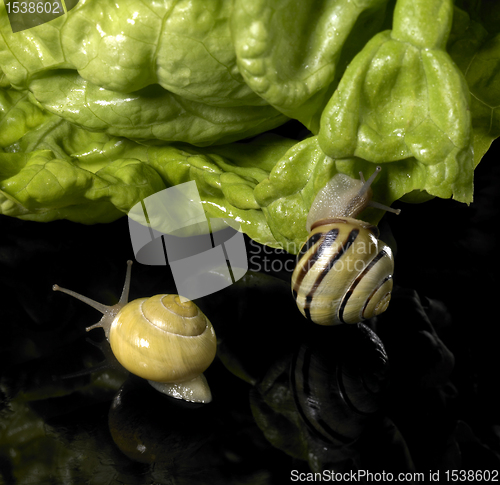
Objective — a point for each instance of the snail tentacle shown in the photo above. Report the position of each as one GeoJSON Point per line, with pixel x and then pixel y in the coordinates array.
{"type": "Point", "coordinates": [109, 311]}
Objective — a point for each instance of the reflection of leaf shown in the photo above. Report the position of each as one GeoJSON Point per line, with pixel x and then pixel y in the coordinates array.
{"type": "Point", "coordinates": [274, 412]}
{"type": "Point", "coordinates": [421, 359]}
{"type": "Point", "coordinates": [23, 439]}
{"type": "Point", "coordinates": [38, 453]}
{"type": "Point", "coordinates": [383, 446]}
{"type": "Point", "coordinates": [470, 451]}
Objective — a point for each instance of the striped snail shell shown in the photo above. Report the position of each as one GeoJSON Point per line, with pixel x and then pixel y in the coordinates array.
{"type": "Point", "coordinates": [338, 381]}
{"type": "Point", "coordinates": [165, 339]}
{"type": "Point", "coordinates": [343, 272]}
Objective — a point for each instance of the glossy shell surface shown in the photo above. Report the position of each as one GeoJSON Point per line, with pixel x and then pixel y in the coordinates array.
{"type": "Point", "coordinates": [343, 273]}
{"type": "Point", "coordinates": [163, 339]}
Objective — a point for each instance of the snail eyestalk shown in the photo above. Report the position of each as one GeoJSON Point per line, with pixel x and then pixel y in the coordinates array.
{"type": "Point", "coordinates": [378, 205]}
{"type": "Point", "coordinates": [366, 186]}
{"type": "Point", "coordinates": [109, 311]}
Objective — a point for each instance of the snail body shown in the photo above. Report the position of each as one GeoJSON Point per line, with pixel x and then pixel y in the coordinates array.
{"type": "Point", "coordinates": [343, 272]}
{"type": "Point", "coordinates": [165, 339]}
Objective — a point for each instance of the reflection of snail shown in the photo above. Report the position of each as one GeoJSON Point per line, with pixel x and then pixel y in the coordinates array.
{"type": "Point", "coordinates": [338, 382]}
{"type": "Point", "coordinates": [148, 429]}
{"type": "Point", "coordinates": [343, 272]}
{"type": "Point", "coordinates": [165, 339]}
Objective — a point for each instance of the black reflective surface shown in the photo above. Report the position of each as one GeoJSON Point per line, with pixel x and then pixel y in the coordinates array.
{"type": "Point", "coordinates": [437, 409]}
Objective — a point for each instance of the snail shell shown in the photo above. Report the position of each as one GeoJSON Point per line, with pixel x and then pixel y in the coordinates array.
{"type": "Point", "coordinates": [165, 339]}
{"type": "Point", "coordinates": [343, 272]}
{"type": "Point", "coordinates": [162, 338]}
{"type": "Point", "coordinates": [338, 381]}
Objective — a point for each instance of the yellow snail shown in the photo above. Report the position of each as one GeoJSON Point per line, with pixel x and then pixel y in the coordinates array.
{"type": "Point", "coordinates": [343, 272]}
{"type": "Point", "coordinates": [165, 339]}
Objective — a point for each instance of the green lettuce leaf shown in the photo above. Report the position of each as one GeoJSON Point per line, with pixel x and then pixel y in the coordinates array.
{"type": "Point", "coordinates": [225, 178]}
{"type": "Point", "coordinates": [403, 97]}
{"type": "Point", "coordinates": [183, 46]}
{"type": "Point", "coordinates": [61, 171]}
{"type": "Point", "coordinates": [474, 45]}
{"type": "Point", "coordinates": [292, 53]}
{"type": "Point", "coordinates": [38, 186]}
{"type": "Point", "coordinates": [151, 114]}
{"type": "Point", "coordinates": [19, 116]}
{"type": "Point", "coordinates": [150, 72]}
{"type": "Point", "coordinates": [111, 103]}
{"type": "Point", "coordinates": [298, 176]}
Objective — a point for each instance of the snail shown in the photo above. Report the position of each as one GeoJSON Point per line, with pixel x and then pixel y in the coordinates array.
{"type": "Point", "coordinates": [343, 272]}
{"type": "Point", "coordinates": [165, 339]}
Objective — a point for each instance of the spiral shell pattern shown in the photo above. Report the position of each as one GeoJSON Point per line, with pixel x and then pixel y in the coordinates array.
{"type": "Point", "coordinates": [343, 273]}
{"type": "Point", "coordinates": [163, 339]}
